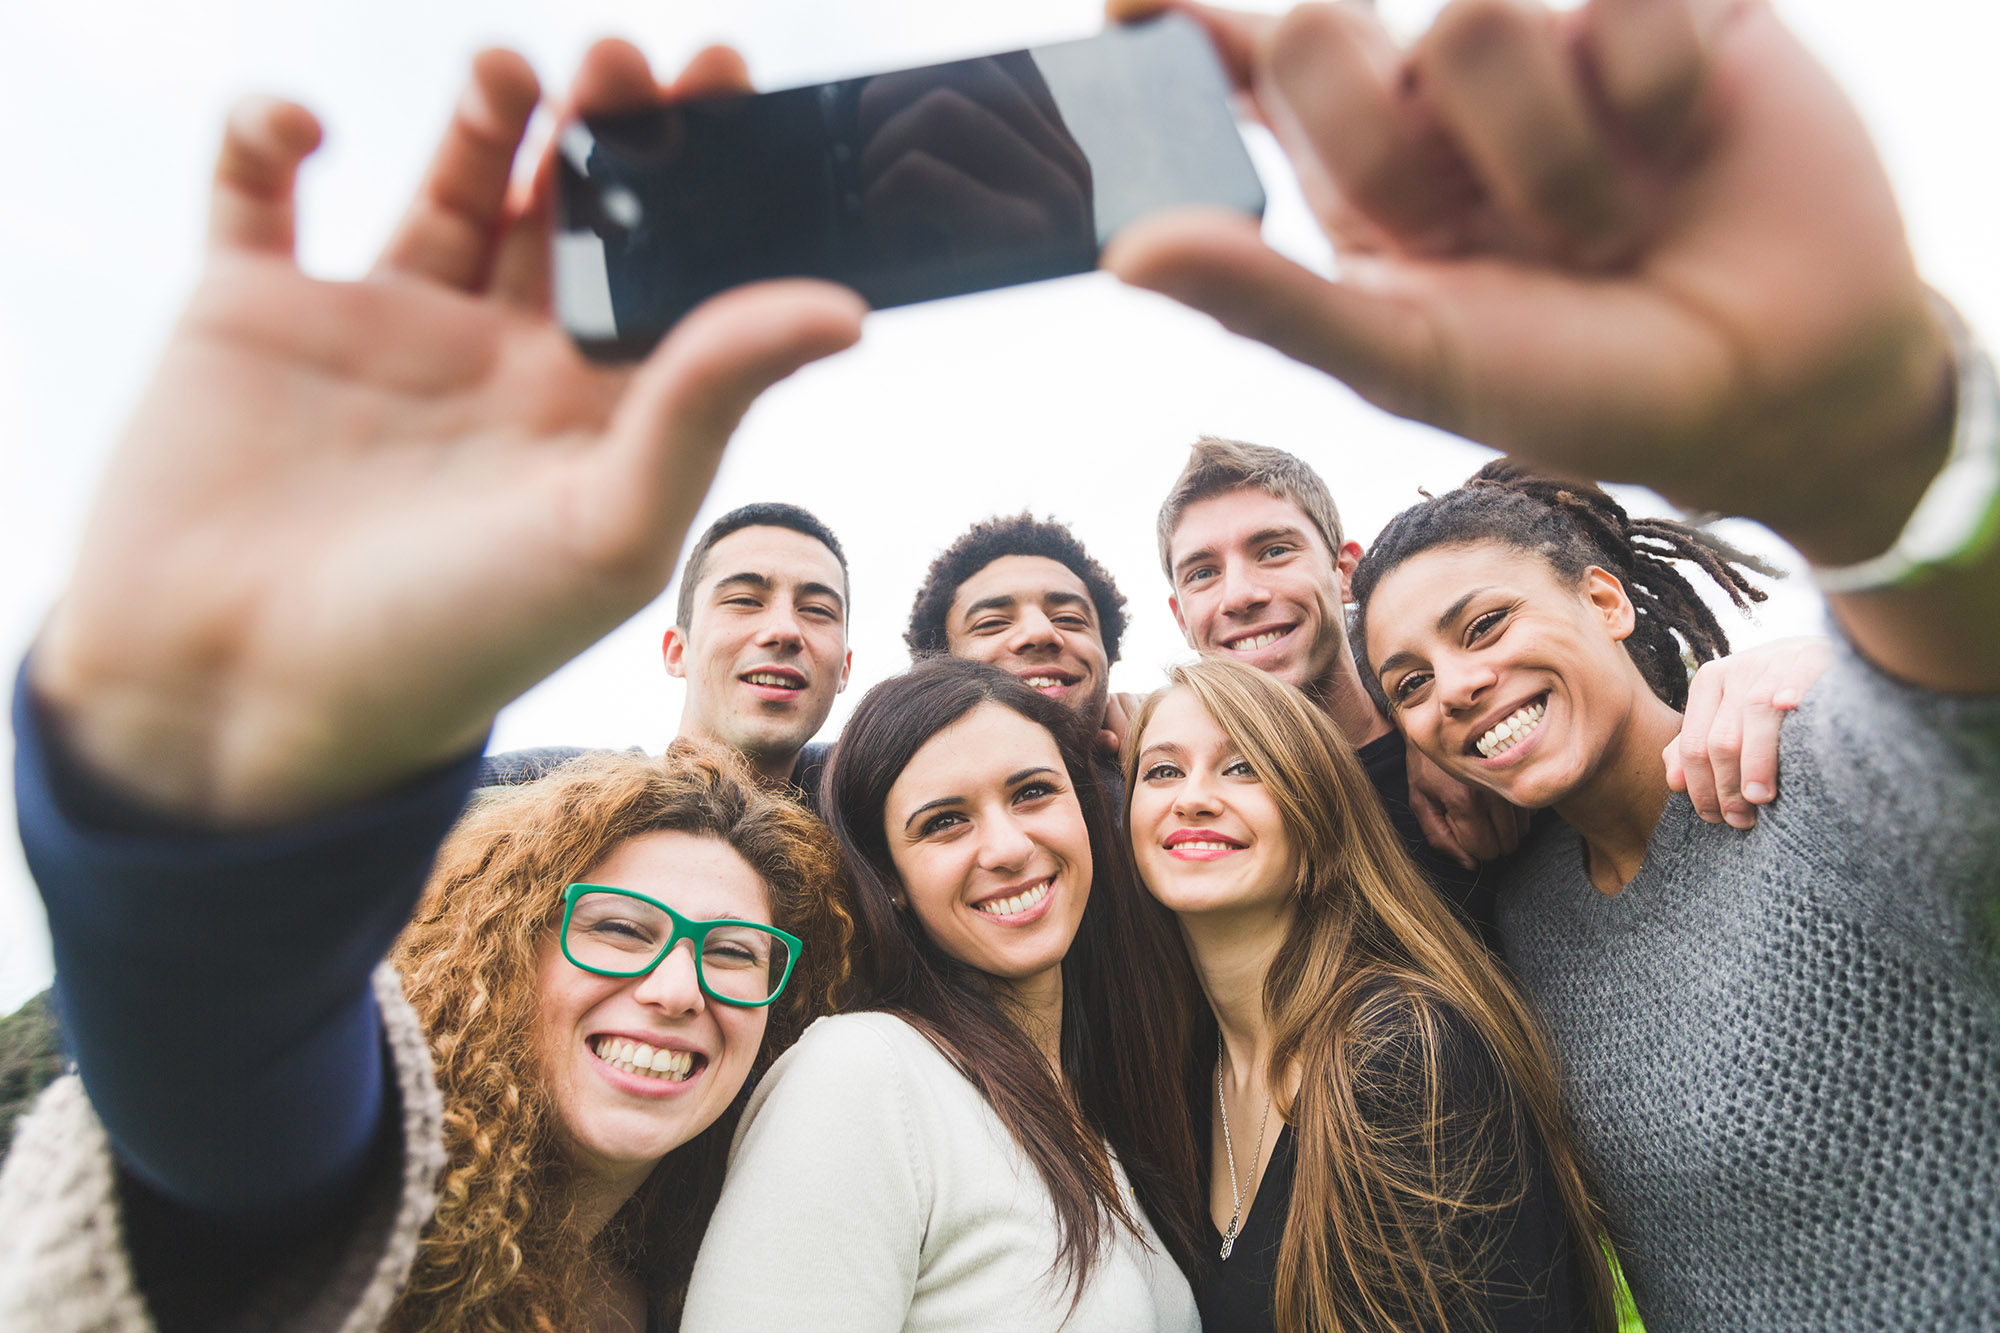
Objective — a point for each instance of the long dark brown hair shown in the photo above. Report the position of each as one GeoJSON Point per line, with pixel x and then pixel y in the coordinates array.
{"type": "Point", "coordinates": [1371, 997]}
{"type": "Point", "coordinates": [1121, 1010]}
{"type": "Point", "coordinates": [499, 1255]}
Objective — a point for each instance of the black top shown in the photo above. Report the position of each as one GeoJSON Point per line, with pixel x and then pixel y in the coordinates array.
{"type": "Point", "coordinates": [1386, 760]}
{"type": "Point", "coordinates": [511, 768]}
{"type": "Point", "coordinates": [1530, 1280]}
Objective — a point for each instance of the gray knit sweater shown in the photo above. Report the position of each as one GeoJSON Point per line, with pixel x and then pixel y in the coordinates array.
{"type": "Point", "coordinates": [63, 1264]}
{"type": "Point", "coordinates": [1783, 1046]}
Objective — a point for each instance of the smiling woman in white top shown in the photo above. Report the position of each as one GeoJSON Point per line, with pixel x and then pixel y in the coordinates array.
{"type": "Point", "coordinates": [995, 1144]}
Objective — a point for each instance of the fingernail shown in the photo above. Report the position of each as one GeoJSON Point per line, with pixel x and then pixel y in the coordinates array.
{"type": "Point", "coordinates": [1756, 793]}
{"type": "Point", "coordinates": [1740, 819]}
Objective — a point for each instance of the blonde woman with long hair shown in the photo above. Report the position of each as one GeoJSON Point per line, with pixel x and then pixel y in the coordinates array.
{"type": "Point", "coordinates": [1385, 1145]}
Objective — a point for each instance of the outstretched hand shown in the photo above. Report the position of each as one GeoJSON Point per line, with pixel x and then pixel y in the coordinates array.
{"type": "Point", "coordinates": [350, 521]}
{"type": "Point", "coordinates": [1647, 240]}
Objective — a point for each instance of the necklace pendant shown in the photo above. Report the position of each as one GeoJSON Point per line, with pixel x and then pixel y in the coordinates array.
{"type": "Point", "coordinates": [1229, 1238]}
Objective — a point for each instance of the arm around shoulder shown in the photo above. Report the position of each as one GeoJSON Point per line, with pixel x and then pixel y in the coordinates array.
{"type": "Point", "coordinates": [823, 1215]}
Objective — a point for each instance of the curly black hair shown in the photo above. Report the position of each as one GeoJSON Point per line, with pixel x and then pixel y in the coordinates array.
{"type": "Point", "coordinates": [980, 546]}
{"type": "Point", "coordinates": [1574, 525]}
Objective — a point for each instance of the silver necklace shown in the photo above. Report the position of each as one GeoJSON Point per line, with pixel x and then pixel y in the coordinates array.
{"type": "Point", "coordinates": [1235, 1191]}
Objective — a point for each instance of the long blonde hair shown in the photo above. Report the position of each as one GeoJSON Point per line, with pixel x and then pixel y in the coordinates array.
{"type": "Point", "coordinates": [1374, 979]}
{"type": "Point", "coordinates": [498, 1255]}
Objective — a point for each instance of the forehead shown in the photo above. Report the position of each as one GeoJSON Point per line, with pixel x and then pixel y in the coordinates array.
{"type": "Point", "coordinates": [1222, 522]}
{"type": "Point", "coordinates": [1021, 578]}
{"type": "Point", "coordinates": [1180, 719]}
{"type": "Point", "coordinates": [1405, 606]}
{"type": "Point", "coordinates": [977, 753]}
{"type": "Point", "coordinates": [697, 876]}
{"type": "Point", "coordinates": [779, 554]}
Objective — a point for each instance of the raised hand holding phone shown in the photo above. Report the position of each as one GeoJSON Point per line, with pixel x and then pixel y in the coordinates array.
{"type": "Point", "coordinates": [1645, 240]}
{"type": "Point", "coordinates": [349, 521]}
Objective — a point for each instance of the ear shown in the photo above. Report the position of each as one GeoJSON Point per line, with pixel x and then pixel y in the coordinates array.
{"type": "Point", "coordinates": [846, 670]}
{"type": "Point", "coordinates": [673, 651]}
{"type": "Point", "coordinates": [1180, 621]}
{"type": "Point", "coordinates": [1606, 598]}
{"type": "Point", "coordinates": [1344, 562]}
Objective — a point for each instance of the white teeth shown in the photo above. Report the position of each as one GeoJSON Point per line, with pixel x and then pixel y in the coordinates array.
{"type": "Point", "coordinates": [773, 679]}
{"type": "Point", "coordinates": [636, 1057]}
{"type": "Point", "coordinates": [1042, 682]}
{"type": "Point", "coordinates": [1256, 641]}
{"type": "Point", "coordinates": [1512, 731]}
{"type": "Point", "coordinates": [1205, 846]}
{"type": "Point", "coordinates": [1018, 903]}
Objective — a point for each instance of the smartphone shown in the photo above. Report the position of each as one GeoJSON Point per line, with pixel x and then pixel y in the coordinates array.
{"type": "Point", "coordinates": [906, 186]}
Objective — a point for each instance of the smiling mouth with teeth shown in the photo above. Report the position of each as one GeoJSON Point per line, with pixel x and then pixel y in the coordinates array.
{"type": "Point", "coordinates": [1256, 641]}
{"type": "Point", "coordinates": [1045, 682]}
{"type": "Point", "coordinates": [1512, 730]}
{"type": "Point", "coordinates": [636, 1057]}
{"type": "Point", "coordinates": [773, 680]}
{"type": "Point", "coordinates": [1018, 903]}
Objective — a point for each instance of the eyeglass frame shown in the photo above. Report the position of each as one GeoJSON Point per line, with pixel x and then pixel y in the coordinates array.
{"type": "Point", "coordinates": [685, 928]}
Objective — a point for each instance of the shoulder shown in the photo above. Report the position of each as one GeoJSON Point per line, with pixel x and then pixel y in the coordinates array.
{"type": "Point", "coordinates": [854, 1063]}
{"type": "Point", "coordinates": [1406, 1042]}
{"type": "Point", "coordinates": [512, 768]}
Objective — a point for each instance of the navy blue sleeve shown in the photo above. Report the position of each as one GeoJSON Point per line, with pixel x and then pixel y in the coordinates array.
{"type": "Point", "coordinates": [213, 987]}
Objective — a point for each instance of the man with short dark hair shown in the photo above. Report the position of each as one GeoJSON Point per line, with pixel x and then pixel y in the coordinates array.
{"type": "Point", "coordinates": [1023, 594]}
{"type": "Point", "coordinates": [760, 637]}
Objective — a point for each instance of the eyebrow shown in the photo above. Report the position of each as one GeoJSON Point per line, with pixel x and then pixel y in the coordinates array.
{"type": "Point", "coordinates": [765, 583]}
{"type": "Point", "coordinates": [1444, 622]}
{"type": "Point", "coordinates": [1007, 600]}
{"type": "Point", "coordinates": [943, 802]}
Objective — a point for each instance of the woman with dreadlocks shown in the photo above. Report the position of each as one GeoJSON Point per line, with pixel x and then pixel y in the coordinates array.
{"type": "Point", "coordinates": [1780, 1045]}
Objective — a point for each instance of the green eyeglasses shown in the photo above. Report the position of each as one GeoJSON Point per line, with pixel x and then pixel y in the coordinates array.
{"type": "Point", "coordinates": [619, 933]}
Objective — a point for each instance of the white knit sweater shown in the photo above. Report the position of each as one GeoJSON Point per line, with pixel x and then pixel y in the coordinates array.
{"type": "Point", "coordinates": [63, 1263]}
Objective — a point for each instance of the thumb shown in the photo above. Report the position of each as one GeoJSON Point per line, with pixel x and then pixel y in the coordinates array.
{"type": "Point", "coordinates": [1386, 347]}
{"type": "Point", "coordinates": [685, 401]}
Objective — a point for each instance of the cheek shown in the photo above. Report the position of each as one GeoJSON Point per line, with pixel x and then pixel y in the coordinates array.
{"type": "Point", "coordinates": [743, 1030]}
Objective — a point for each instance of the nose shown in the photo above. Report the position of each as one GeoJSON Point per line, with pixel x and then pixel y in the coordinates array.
{"type": "Point", "coordinates": [1004, 845]}
{"type": "Point", "coordinates": [1032, 631]}
{"type": "Point", "coordinates": [672, 987]}
{"type": "Point", "coordinates": [1194, 797]}
{"type": "Point", "coordinates": [781, 628]}
{"type": "Point", "coordinates": [1462, 681]}
{"type": "Point", "coordinates": [1242, 590]}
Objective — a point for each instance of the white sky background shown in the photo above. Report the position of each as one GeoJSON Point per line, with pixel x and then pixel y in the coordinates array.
{"type": "Point", "coordinates": [1075, 399]}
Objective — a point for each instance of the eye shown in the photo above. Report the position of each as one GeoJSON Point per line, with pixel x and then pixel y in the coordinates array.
{"type": "Point", "coordinates": [1407, 689]}
{"type": "Point", "coordinates": [939, 822]}
{"type": "Point", "coordinates": [621, 930]}
{"type": "Point", "coordinates": [1161, 772]}
{"type": "Point", "coordinates": [1072, 622]}
{"type": "Point", "coordinates": [820, 610]}
{"type": "Point", "coordinates": [742, 602]}
{"type": "Point", "coordinates": [1483, 625]}
{"type": "Point", "coordinates": [1274, 551]}
{"type": "Point", "coordinates": [990, 625]}
{"type": "Point", "coordinates": [1035, 791]}
{"type": "Point", "coordinates": [1240, 768]}
{"type": "Point", "coordinates": [1199, 574]}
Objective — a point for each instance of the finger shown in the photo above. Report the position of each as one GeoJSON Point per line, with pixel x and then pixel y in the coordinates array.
{"type": "Point", "coordinates": [715, 71]}
{"type": "Point", "coordinates": [1725, 765]}
{"type": "Point", "coordinates": [1757, 765]}
{"type": "Point", "coordinates": [1387, 346]}
{"type": "Point", "coordinates": [521, 262]}
{"type": "Point", "coordinates": [1439, 831]}
{"type": "Point", "coordinates": [1799, 671]}
{"type": "Point", "coordinates": [614, 77]}
{"type": "Point", "coordinates": [1477, 832]}
{"type": "Point", "coordinates": [251, 206]}
{"type": "Point", "coordinates": [1107, 742]}
{"type": "Point", "coordinates": [453, 225]}
{"type": "Point", "coordinates": [1692, 745]}
{"type": "Point", "coordinates": [1500, 76]}
{"type": "Point", "coordinates": [667, 435]}
{"type": "Point", "coordinates": [1650, 67]}
{"type": "Point", "coordinates": [1340, 105]}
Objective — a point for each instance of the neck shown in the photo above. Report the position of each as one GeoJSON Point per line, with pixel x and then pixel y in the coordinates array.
{"type": "Point", "coordinates": [1342, 697]}
{"type": "Point", "coordinates": [772, 769]}
{"type": "Point", "coordinates": [1232, 955]}
{"type": "Point", "coordinates": [1036, 1003]}
{"type": "Point", "coordinates": [599, 1194]}
{"type": "Point", "coordinates": [1618, 806]}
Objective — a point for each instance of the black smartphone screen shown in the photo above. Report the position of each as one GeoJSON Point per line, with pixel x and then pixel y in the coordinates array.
{"type": "Point", "coordinates": [906, 186]}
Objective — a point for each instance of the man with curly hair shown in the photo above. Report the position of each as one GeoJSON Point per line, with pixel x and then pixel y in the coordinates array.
{"type": "Point", "coordinates": [1023, 594]}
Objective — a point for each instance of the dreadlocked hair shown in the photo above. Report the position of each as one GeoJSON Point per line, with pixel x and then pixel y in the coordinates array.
{"type": "Point", "coordinates": [1573, 526]}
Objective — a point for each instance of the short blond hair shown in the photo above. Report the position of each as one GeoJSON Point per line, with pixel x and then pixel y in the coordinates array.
{"type": "Point", "coordinates": [1217, 466]}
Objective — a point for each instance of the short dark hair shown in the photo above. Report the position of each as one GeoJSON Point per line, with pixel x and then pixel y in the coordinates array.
{"type": "Point", "coordinates": [763, 514]}
{"type": "Point", "coordinates": [980, 546]}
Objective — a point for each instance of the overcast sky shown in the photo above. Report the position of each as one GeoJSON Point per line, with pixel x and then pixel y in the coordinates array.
{"type": "Point", "coordinates": [1075, 399]}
